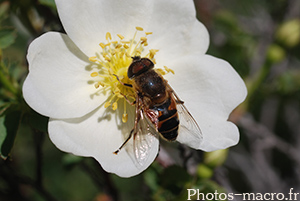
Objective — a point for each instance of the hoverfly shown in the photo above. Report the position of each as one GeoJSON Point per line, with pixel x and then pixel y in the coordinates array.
{"type": "Point", "coordinates": [158, 110]}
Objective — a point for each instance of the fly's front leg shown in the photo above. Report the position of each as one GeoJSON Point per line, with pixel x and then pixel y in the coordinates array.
{"type": "Point", "coordinates": [127, 85]}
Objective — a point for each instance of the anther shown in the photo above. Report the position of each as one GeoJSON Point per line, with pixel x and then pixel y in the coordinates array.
{"type": "Point", "coordinates": [143, 39]}
{"type": "Point", "coordinates": [114, 106]}
{"type": "Point", "coordinates": [108, 36]}
{"type": "Point", "coordinates": [93, 59]}
{"type": "Point", "coordinates": [169, 70]}
{"type": "Point", "coordinates": [120, 36]}
{"type": "Point", "coordinates": [97, 85]}
{"type": "Point", "coordinates": [102, 45]}
{"type": "Point", "coordinates": [118, 46]}
{"type": "Point", "coordinates": [124, 118]}
{"type": "Point", "coordinates": [107, 104]}
{"type": "Point", "coordinates": [94, 74]}
{"type": "Point", "coordinates": [139, 28]}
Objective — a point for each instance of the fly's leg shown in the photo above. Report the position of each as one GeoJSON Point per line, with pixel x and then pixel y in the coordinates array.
{"type": "Point", "coordinates": [128, 101]}
{"type": "Point", "coordinates": [117, 151]}
{"type": "Point", "coordinates": [137, 119]}
{"type": "Point", "coordinates": [125, 84]}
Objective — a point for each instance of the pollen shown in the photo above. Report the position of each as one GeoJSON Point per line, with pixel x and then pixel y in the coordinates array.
{"type": "Point", "coordinates": [109, 68]}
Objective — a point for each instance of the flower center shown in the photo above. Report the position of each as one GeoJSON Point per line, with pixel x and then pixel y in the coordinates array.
{"type": "Point", "coordinates": [110, 75]}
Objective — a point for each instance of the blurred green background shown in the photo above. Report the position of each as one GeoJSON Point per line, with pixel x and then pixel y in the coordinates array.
{"type": "Point", "coordinates": [260, 38]}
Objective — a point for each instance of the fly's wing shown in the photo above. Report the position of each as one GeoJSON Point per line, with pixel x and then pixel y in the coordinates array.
{"type": "Point", "coordinates": [189, 131]}
{"type": "Point", "coordinates": [145, 139]}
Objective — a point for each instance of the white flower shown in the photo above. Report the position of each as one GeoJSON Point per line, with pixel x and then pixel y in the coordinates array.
{"type": "Point", "coordinates": [65, 81]}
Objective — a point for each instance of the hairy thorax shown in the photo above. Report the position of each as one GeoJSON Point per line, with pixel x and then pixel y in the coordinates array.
{"type": "Point", "coordinates": [152, 86]}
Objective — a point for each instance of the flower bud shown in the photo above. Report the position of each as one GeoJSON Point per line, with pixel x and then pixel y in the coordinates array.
{"type": "Point", "coordinates": [289, 33]}
{"type": "Point", "coordinates": [215, 158]}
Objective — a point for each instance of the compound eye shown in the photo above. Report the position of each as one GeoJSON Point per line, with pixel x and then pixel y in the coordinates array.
{"type": "Point", "coordinates": [134, 69]}
{"type": "Point", "coordinates": [147, 63]}
{"type": "Point", "coordinates": [138, 66]}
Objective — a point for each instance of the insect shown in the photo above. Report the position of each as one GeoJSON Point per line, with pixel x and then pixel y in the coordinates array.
{"type": "Point", "coordinates": [158, 111]}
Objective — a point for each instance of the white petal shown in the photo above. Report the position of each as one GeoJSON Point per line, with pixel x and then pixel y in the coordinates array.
{"type": "Point", "coordinates": [173, 23]}
{"type": "Point", "coordinates": [58, 81]}
{"type": "Point", "coordinates": [176, 31]}
{"type": "Point", "coordinates": [211, 89]}
{"type": "Point", "coordinates": [98, 135]}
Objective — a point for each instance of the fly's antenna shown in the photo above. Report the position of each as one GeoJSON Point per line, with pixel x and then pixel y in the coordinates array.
{"type": "Point", "coordinates": [135, 58]}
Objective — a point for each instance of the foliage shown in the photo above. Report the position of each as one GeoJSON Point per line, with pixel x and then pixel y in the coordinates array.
{"type": "Point", "coordinates": [260, 38]}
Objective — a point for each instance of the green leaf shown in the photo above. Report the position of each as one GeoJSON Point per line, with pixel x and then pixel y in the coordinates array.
{"type": "Point", "coordinates": [70, 160]}
{"type": "Point", "coordinates": [4, 8]}
{"type": "Point", "coordinates": [49, 3]}
{"type": "Point", "coordinates": [7, 37]}
{"type": "Point", "coordinates": [37, 121]}
{"type": "Point", "coordinates": [173, 178]}
{"type": "Point", "coordinates": [9, 125]}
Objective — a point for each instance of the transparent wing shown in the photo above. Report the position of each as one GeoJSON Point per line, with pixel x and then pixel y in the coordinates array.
{"type": "Point", "coordinates": [144, 136]}
{"type": "Point", "coordinates": [189, 130]}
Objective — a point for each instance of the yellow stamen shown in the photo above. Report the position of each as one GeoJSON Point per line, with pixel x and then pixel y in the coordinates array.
{"type": "Point", "coordinates": [143, 40]}
{"type": "Point", "coordinates": [94, 74]}
{"type": "Point", "coordinates": [107, 104]}
{"type": "Point", "coordinates": [111, 66]}
{"type": "Point", "coordinates": [169, 70]}
{"type": "Point", "coordinates": [120, 36]}
{"type": "Point", "coordinates": [124, 118]}
{"type": "Point", "coordinates": [114, 105]}
{"type": "Point", "coordinates": [160, 71]}
{"type": "Point", "coordinates": [152, 52]}
{"type": "Point", "coordinates": [93, 59]}
{"type": "Point", "coordinates": [107, 58]}
{"type": "Point", "coordinates": [139, 28]}
{"type": "Point", "coordinates": [97, 85]}
{"type": "Point", "coordinates": [118, 46]}
{"type": "Point", "coordinates": [101, 84]}
{"type": "Point", "coordinates": [108, 36]}
{"type": "Point", "coordinates": [102, 45]}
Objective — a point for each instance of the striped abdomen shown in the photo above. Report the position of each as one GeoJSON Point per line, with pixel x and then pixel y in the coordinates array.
{"type": "Point", "coordinates": [167, 119]}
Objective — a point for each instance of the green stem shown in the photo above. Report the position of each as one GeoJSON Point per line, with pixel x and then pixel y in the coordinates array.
{"type": "Point", "coordinates": [6, 83]}
{"type": "Point", "coordinates": [261, 77]}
